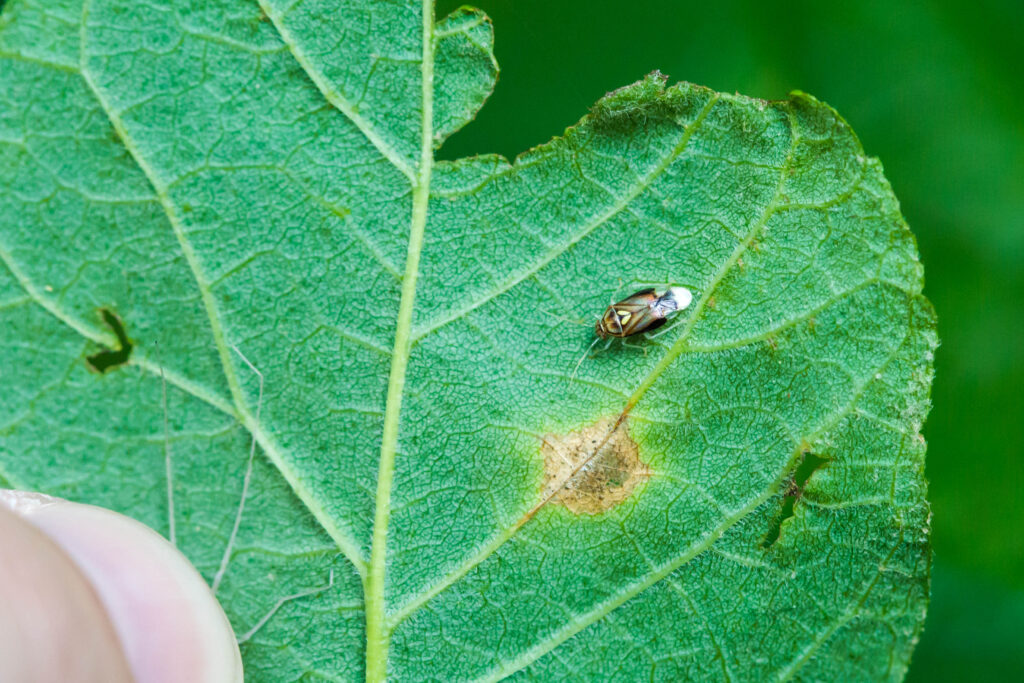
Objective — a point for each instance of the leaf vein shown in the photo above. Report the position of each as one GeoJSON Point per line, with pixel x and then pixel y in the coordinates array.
{"type": "Point", "coordinates": [849, 615]}
{"type": "Point", "coordinates": [602, 218]}
{"type": "Point", "coordinates": [334, 96]}
{"type": "Point", "coordinates": [723, 655]}
{"type": "Point", "coordinates": [346, 543]}
{"type": "Point", "coordinates": [495, 543]}
{"type": "Point", "coordinates": [606, 607]}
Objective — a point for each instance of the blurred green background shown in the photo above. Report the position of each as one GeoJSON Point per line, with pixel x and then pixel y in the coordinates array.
{"type": "Point", "coordinates": [936, 91]}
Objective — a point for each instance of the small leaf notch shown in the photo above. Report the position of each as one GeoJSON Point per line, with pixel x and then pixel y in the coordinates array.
{"type": "Point", "coordinates": [809, 464]}
{"type": "Point", "coordinates": [107, 359]}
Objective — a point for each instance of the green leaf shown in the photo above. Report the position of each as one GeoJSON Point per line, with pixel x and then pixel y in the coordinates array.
{"type": "Point", "coordinates": [218, 183]}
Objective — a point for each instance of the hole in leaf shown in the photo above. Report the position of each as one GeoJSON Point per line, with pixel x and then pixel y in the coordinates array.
{"type": "Point", "coordinates": [111, 358]}
{"type": "Point", "coordinates": [808, 466]}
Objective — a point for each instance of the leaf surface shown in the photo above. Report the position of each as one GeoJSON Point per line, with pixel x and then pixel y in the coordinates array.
{"type": "Point", "coordinates": [237, 182]}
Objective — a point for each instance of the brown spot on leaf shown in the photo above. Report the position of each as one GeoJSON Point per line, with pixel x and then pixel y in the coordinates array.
{"type": "Point", "coordinates": [593, 469]}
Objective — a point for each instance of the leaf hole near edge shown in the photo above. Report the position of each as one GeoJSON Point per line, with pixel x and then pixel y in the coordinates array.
{"type": "Point", "coordinates": [809, 464]}
{"type": "Point", "coordinates": [107, 359]}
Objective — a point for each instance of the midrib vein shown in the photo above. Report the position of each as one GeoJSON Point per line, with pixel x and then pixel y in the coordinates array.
{"type": "Point", "coordinates": [345, 542]}
{"type": "Point", "coordinates": [378, 630]}
{"type": "Point", "coordinates": [378, 634]}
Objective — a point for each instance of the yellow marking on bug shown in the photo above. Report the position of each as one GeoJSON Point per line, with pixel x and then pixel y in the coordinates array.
{"type": "Point", "coordinates": [624, 316]}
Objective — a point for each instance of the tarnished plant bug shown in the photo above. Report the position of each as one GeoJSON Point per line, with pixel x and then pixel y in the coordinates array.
{"type": "Point", "coordinates": [642, 311]}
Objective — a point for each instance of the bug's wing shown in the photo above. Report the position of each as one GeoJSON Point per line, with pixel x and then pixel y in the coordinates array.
{"type": "Point", "coordinates": [641, 317]}
{"type": "Point", "coordinates": [644, 297]}
{"type": "Point", "coordinates": [656, 324]}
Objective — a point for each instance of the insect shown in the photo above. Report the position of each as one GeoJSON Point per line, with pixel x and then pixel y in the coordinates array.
{"type": "Point", "coordinates": [642, 311]}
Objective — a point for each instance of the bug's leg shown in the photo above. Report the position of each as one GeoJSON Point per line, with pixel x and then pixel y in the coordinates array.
{"type": "Point", "coordinates": [665, 328]}
{"type": "Point", "coordinates": [574, 321]}
{"type": "Point", "coordinates": [226, 557]}
{"type": "Point", "coordinates": [168, 470]}
{"type": "Point", "coordinates": [652, 342]}
{"type": "Point", "coordinates": [280, 603]}
{"type": "Point", "coordinates": [580, 361]}
{"type": "Point", "coordinates": [634, 345]}
{"type": "Point", "coordinates": [658, 333]}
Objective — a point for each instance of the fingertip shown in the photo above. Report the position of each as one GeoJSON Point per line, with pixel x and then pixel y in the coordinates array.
{"type": "Point", "coordinates": [53, 625]}
{"type": "Point", "coordinates": [169, 623]}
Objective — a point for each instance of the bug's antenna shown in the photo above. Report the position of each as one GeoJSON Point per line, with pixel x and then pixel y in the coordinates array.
{"type": "Point", "coordinates": [580, 361]}
{"type": "Point", "coordinates": [226, 557]}
{"type": "Point", "coordinates": [281, 602]}
{"type": "Point", "coordinates": [168, 473]}
{"type": "Point", "coordinates": [575, 321]}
